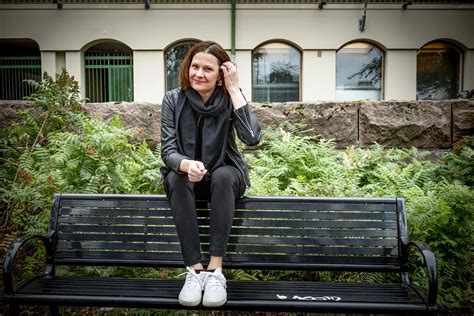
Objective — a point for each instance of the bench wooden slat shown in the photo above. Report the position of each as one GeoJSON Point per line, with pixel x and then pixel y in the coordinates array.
{"type": "Point", "coordinates": [68, 228]}
{"type": "Point", "coordinates": [309, 232]}
{"type": "Point", "coordinates": [117, 237]}
{"type": "Point", "coordinates": [362, 242]}
{"type": "Point", "coordinates": [324, 250]}
{"type": "Point", "coordinates": [312, 206]}
{"type": "Point", "coordinates": [314, 223]}
{"type": "Point", "coordinates": [299, 214]}
{"type": "Point", "coordinates": [306, 214]}
{"type": "Point", "coordinates": [238, 248]}
{"type": "Point", "coordinates": [141, 204]}
{"type": "Point", "coordinates": [117, 220]}
{"type": "Point", "coordinates": [154, 256]}
{"type": "Point", "coordinates": [285, 240]}
{"type": "Point", "coordinates": [237, 222]}
{"type": "Point", "coordinates": [125, 246]}
{"type": "Point", "coordinates": [320, 262]}
{"type": "Point", "coordinates": [241, 260]}
{"type": "Point", "coordinates": [115, 211]}
{"type": "Point", "coordinates": [237, 231]}
{"type": "Point", "coordinates": [285, 203]}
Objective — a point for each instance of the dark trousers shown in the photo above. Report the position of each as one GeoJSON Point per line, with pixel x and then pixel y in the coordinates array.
{"type": "Point", "coordinates": [222, 188]}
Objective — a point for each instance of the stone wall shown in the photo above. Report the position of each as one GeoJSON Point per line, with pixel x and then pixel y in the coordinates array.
{"type": "Point", "coordinates": [421, 124]}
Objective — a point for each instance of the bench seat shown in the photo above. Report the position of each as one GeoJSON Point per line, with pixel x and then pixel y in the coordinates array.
{"type": "Point", "coordinates": [248, 295]}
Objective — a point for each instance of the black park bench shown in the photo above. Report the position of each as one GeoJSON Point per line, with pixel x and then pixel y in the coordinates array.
{"type": "Point", "coordinates": [269, 233]}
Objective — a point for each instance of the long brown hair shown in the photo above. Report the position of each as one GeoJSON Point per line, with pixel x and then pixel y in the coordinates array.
{"type": "Point", "coordinates": [208, 47]}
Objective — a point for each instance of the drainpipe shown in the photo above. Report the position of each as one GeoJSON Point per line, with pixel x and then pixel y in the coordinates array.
{"type": "Point", "coordinates": [362, 20]}
{"type": "Point", "coordinates": [233, 8]}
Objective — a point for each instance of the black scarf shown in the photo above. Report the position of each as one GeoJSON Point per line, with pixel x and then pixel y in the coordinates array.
{"type": "Point", "coordinates": [203, 128]}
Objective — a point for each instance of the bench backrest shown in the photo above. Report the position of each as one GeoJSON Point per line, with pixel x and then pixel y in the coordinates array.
{"type": "Point", "coordinates": [353, 234]}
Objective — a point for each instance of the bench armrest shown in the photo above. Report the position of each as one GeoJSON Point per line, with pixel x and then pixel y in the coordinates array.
{"type": "Point", "coordinates": [13, 251]}
{"type": "Point", "coordinates": [430, 262]}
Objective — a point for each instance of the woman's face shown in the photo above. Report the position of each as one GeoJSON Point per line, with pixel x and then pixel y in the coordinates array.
{"type": "Point", "coordinates": [204, 73]}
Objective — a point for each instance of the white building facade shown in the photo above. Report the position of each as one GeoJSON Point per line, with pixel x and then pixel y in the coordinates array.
{"type": "Point", "coordinates": [284, 50]}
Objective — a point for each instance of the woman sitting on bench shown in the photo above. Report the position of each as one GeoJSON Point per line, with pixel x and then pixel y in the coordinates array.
{"type": "Point", "coordinates": [202, 162]}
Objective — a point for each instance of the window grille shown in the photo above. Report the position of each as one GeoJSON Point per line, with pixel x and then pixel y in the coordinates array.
{"type": "Point", "coordinates": [14, 69]}
{"type": "Point", "coordinates": [109, 77]}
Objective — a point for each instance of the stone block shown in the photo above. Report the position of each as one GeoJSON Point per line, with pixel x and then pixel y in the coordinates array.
{"type": "Point", "coordinates": [9, 111]}
{"type": "Point", "coordinates": [421, 124]}
{"type": "Point", "coordinates": [329, 120]}
{"type": "Point", "coordinates": [142, 116]}
{"type": "Point", "coordinates": [463, 119]}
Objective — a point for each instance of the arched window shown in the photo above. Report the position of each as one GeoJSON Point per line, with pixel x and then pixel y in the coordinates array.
{"type": "Point", "coordinates": [109, 72]}
{"type": "Point", "coordinates": [276, 71]}
{"type": "Point", "coordinates": [19, 60]}
{"type": "Point", "coordinates": [437, 71]}
{"type": "Point", "coordinates": [174, 56]}
{"type": "Point", "coordinates": [359, 72]}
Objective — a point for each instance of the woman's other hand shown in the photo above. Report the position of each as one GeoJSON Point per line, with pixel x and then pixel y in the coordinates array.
{"type": "Point", "coordinates": [195, 169]}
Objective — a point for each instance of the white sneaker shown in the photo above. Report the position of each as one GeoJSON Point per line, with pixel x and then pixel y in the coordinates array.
{"type": "Point", "coordinates": [215, 293]}
{"type": "Point", "coordinates": [191, 293]}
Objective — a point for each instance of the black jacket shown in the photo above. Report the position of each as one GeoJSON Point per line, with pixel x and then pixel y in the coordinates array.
{"type": "Point", "coordinates": [243, 121]}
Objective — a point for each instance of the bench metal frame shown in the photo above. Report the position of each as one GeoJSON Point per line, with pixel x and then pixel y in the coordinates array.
{"type": "Point", "coordinates": [269, 233]}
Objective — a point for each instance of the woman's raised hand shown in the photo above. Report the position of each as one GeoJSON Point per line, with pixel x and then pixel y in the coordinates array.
{"type": "Point", "coordinates": [231, 80]}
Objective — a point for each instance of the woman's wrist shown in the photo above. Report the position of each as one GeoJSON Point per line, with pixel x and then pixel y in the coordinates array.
{"type": "Point", "coordinates": [184, 165]}
{"type": "Point", "coordinates": [233, 90]}
{"type": "Point", "coordinates": [237, 98]}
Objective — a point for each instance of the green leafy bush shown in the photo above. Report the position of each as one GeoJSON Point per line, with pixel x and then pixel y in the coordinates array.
{"type": "Point", "coordinates": [55, 147]}
{"type": "Point", "coordinates": [439, 195]}
{"type": "Point", "coordinates": [459, 164]}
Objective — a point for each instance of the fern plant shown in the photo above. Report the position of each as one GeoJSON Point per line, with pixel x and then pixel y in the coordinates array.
{"type": "Point", "coordinates": [60, 149]}
{"type": "Point", "coordinates": [438, 195]}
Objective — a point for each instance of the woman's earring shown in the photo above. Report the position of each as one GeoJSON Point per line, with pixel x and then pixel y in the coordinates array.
{"type": "Point", "coordinates": [219, 83]}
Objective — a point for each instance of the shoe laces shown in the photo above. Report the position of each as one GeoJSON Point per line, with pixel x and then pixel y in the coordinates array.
{"type": "Point", "coordinates": [193, 280]}
{"type": "Point", "coordinates": [214, 281]}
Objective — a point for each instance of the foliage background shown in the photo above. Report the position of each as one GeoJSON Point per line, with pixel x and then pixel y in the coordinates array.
{"type": "Point", "coordinates": [55, 147]}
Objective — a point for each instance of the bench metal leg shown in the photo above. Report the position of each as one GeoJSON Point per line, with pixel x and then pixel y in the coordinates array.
{"type": "Point", "coordinates": [54, 310]}
{"type": "Point", "coordinates": [13, 309]}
